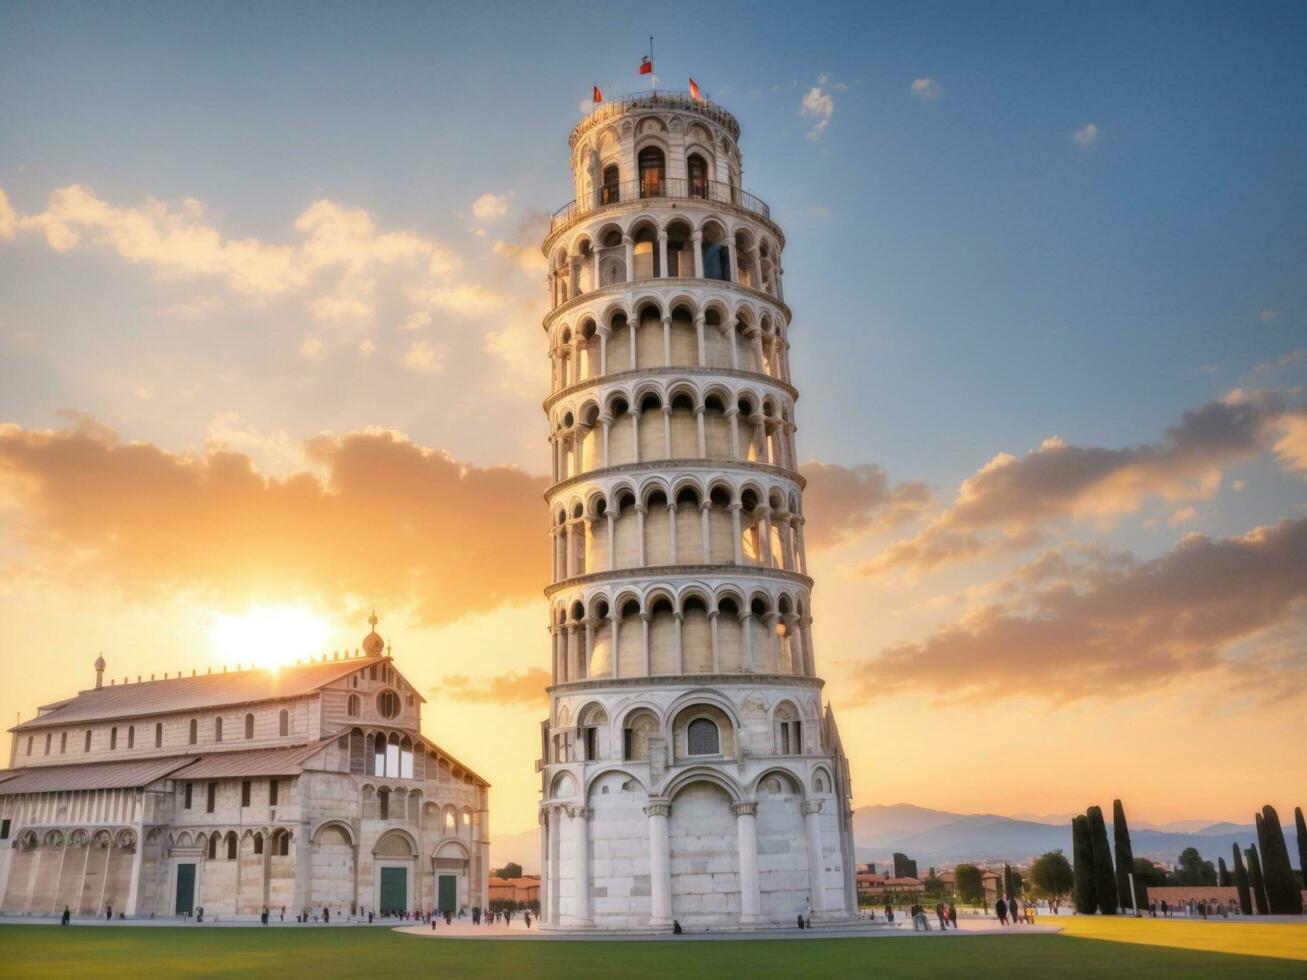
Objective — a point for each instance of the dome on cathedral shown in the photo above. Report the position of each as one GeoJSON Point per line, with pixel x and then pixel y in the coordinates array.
{"type": "Point", "coordinates": [373, 644]}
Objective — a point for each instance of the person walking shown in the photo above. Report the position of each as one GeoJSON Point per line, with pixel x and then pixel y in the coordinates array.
{"type": "Point", "coordinates": [526, 917]}
{"type": "Point", "coordinates": [263, 916]}
{"type": "Point", "coordinates": [1000, 910]}
{"type": "Point", "coordinates": [953, 914]}
{"type": "Point", "coordinates": [67, 917]}
{"type": "Point", "coordinates": [889, 913]}
{"type": "Point", "coordinates": [1014, 909]}
{"type": "Point", "coordinates": [941, 914]}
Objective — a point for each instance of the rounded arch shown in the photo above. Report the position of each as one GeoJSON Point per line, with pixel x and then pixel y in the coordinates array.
{"type": "Point", "coordinates": [447, 846]}
{"type": "Point", "coordinates": [390, 843]}
{"type": "Point", "coordinates": [703, 774]}
{"type": "Point", "coordinates": [564, 786]}
{"type": "Point", "coordinates": [608, 771]}
{"type": "Point", "coordinates": [339, 825]}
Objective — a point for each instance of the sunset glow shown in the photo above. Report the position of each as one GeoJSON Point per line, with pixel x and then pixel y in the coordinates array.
{"type": "Point", "coordinates": [268, 636]}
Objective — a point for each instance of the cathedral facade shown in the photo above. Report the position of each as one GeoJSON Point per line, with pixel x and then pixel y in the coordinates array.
{"type": "Point", "coordinates": [303, 788]}
{"type": "Point", "coordinates": [690, 773]}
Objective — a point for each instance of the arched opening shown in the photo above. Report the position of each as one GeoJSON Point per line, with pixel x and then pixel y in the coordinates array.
{"type": "Point", "coordinates": [696, 637]}
{"type": "Point", "coordinates": [680, 249]}
{"type": "Point", "coordinates": [685, 428]}
{"type": "Point", "coordinates": [716, 253]}
{"type": "Point", "coordinates": [657, 530]}
{"type": "Point", "coordinates": [193, 737]}
{"type": "Point", "coordinates": [646, 253]}
{"type": "Point", "coordinates": [696, 169]}
{"type": "Point", "coordinates": [662, 637]}
{"type": "Point", "coordinates": [217, 729]}
{"type": "Point", "coordinates": [730, 637]}
{"type": "Point", "coordinates": [249, 726]}
{"type": "Point", "coordinates": [611, 190]}
{"type": "Point", "coordinates": [630, 640]}
{"type": "Point", "coordinates": [702, 737]}
{"type": "Point", "coordinates": [283, 723]}
{"type": "Point", "coordinates": [637, 729]}
{"type": "Point", "coordinates": [652, 165]}
{"type": "Point", "coordinates": [353, 706]}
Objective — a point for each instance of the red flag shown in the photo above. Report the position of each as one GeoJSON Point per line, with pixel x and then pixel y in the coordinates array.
{"type": "Point", "coordinates": [598, 96]}
{"type": "Point", "coordinates": [695, 93]}
{"type": "Point", "coordinates": [646, 66]}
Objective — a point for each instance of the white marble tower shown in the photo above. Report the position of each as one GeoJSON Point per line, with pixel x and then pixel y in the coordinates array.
{"type": "Point", "coordinates": [689, 771]}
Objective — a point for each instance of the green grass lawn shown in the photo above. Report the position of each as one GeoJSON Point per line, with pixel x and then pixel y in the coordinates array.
{"type": "Point", "coordinates": [313, 954]}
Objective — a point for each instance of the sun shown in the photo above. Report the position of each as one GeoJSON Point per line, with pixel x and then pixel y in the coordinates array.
{"type": "Point", "coordinates": [269, 636]}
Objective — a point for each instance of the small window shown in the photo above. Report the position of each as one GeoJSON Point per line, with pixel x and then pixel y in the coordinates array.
{"type": "Point", "coordinates": [63, 742]}
{"type": "Point", "coordinates": [283, 723]}
{"type": "Point", "coordinates": [212, 802]}
{"type": "Point", "coordinates": [612, 192]}
{"type": "Point", "coordinates": [4, 829]}
{"type": "Point", "coordinates": [158, 735]}
{"type": "Point", "coordinates": [48, 737]}
{"type": "Point", "coordinates": [283, 845]}
{"type": "Point", "coordinates": [591, 744]}
{"type": "Point", "coordinates": [249, 726]}
{"type": "Point", "coordinates": [272, 792]}
{"type": "Point", "coordinates": [195, 731]}
{"type": "Point", "coordinates": [372, 672]}
{"type": "Point", "coordinates": [388, 704]}
{"type": "Point", "coordinates": [245, 792]}
{"type": "Point", "coordinates": [213, 848]}
{"type": "Point", "coordinates": [628, 743]}
{"type": "Point", "coordinates": [702, 738]}
{"type": "Point", "coordinates": [258, 843]}
{"type": "Point", "coordinates": [698, 173]}
{"type": "Point", "coordinates": [231, 847]}
{"type": "Point", "coordinates": [131, 736]}
{"type": "Point", "coordinates": [113, 738]}
{"type": "Point", "coordinates": [187, 795]}
{"type": "Point", "coordinates": [383, 801]}
{"type": "Point", "coordinates": [29, 744]}
{"type": "Point", "coordinates": [217, 729]}
{"type": "Point", "coordinates": [86, 747]}
{"type": "Point", "coordinates": [352, 706]}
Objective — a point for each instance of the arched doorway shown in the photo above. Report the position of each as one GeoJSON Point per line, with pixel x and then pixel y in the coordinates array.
{"type": "Point", "coordinates": [394, 886]}
{"type": "Point", "coordinates": [450, 868]}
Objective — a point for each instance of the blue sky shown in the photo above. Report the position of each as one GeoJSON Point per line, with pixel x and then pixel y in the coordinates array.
{"type": "Point", "coordinates": [1081, 222]}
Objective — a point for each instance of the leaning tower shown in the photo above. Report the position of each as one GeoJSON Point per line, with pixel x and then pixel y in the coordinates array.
{"type": "Point", "coordinates": [689, 771]}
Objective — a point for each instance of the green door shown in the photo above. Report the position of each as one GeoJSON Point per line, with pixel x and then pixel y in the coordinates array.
{"type": "Point", "coordinates": [185, 889]}
{"type": "Point", "coordinates": [448, 894]}
{"type": "Point", "coordinates": [394, 889]}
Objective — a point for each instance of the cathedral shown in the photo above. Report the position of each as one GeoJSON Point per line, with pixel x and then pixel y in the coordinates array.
{"type": "Point", "coordinates": [296, 789]}
{"type": "Point", "coordinates": [690, 774]}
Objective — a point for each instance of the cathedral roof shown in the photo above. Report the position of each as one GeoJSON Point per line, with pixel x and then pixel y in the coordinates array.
{"type": "Point", "coordinates": [195, 693]}
{"type": "Point", "coordinates": [97, 775]}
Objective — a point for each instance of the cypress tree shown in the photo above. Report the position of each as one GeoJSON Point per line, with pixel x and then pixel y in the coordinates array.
{"type": "Point", "coordinates": [1255, 881]}
{"type": "Point", "coordinates": [1125, 855]}
{"type": "Point", "coordinates": [1282, 892]}
{"type": "Point", "coordinates": [1301, 826]}
{"type": "Point", "coordinates": [1104, 876]}
{"type": "Point", "coordinates": [1082, 853]}
{"type": "Point", "coordinates": [1222, 873]}
{"type": "Point", "coordinates": [1241, 883]}
{"type": "Point", "coordinates": [1007, 881]}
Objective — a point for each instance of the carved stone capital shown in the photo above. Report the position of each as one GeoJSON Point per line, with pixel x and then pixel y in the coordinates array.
{"type": "Point", "coordinates": [658, 808]}
{"type": "Point", "coordinates": [745, 808]}
{"type": "Point", "coordinates": [812, 806]}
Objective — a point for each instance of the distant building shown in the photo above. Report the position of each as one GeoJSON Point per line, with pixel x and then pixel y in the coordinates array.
{"type": "Point", "coordinates": [297, 788]}
{"type": "Point", "coordinates": [523, 889]}
{"type": "Point", "coordinates": [904, 866]}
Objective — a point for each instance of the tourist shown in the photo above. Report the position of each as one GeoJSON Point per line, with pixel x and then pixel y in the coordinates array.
{"type": "Point", "coordinates": [953, 914]}
{"type": "Point", "coordinates": [476, 917]}
{"type": "Point", "coordinates": [1000, 910]}
{"type": "Point", "coordinates": [67, 916]}
{"type": "Point", "coordinates": [1014, 909]}
{"type": "Point", "coordinates": [676, 927]}
{"type": "Point", "coordinates": [1152, 910]}
{"type": "Point", "coordinates": [800, 920]}
{"type": "Point", "coordinates": [941, 914]}
{"type": "Point", "coordinates": [526, 917]}
{"type": "Point", "coordinates": [263, 916]}
{"type": "Point", "coordinates": [369, 916]}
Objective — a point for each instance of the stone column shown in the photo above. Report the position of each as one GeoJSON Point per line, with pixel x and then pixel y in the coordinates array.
{"type": "Point", "coordinates": [729, 329]}
{"type": "Point", "coordinates": [630, 332]}
{"type": "Point", "coordinates": [733, 416]}
{"type": "Point", "coordinates": [734, 262]}
{"type": "Point", "coordinates": [553, 882]}
{"type": "Point", "coordinates": [640, 511]}
{"type": "Point", "coordinates": [667, 341]}
{"type": "Point", "coordinates": [667, 430]}
{"type": "Point", "coordinates": [812, 826]}
{"type": "Point", "coordinates": [542, 818]}
{"type": "Point", "coordinates": [303, 885]}
{"type": "Point", "coordinates": [644, 619]}
{"type": "Point", "coordinates": [604, 334]}
{"type": "Point", "coordinates": [801, 552]}
{"type": "Point", "coordinates": [697, 239]}
{"type": "Point", "coordinates": [679, 619]}
{"type": "Point", "coordinates": [662, 254]}
{"type": "Point", "coordinates": [580, 816]}
{"type": "Point", "coordinates": [635, 433]}
{"type": "Point", "coordinates": [629, 242]}
{"type": "Point", "coordinates": [746, 833]}
{"type": "Point", "coordinates": [698, 331]}
{"type": "Point", "coordinates": [712, 632]}
{"type": "Point", "coordinates": [671, 532]}
{"type": "Point", "coordinates": [703, 436]}
{"type": "Point", "coordinates": [746, 629]}
{"type": "Point", "coordinates": [612, 538]}
{"type": "Point", "coordinates": [605, 427]}
{"type": "Point", "coordinates": [704, 529]}
{"type": "Point", "coordinates": [614, 639]}
{"type": "Point", "coordinates": [134, 891]}
{"type": "Point", "coordinates": [738, 533]}
{"type": "Point", "coordinates": [660, 864]}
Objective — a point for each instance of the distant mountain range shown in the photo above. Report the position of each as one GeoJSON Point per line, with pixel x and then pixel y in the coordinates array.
{"type": "Point", "coordinates": [938, 837]}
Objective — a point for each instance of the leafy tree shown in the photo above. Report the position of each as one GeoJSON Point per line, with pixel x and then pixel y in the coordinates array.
{"type": "Point", "coordinates": [1256, 882]}
{"type": "Point", "coordinates": [1191, 869]}
{"type": "Point", "coordinates": [1008, 888]}
{"type": "Point", "coordinates": [1147, 875]}
{"type": "Point", "coordinates": [970, 886]}
{"type": "Point", "coordinates": [932, 886]}
{"type": "Point", "coordinates": [1104, 877]}
{"type": "Point", "coordinates": [1017, 882]}
{"type": "Point", "coordinates": [510, 870]}
{"type": "Point", "coordinates": [1125, 855]}
{"type": "Point", "coordinates": [1241, 883]}
{"type": "Point", "coordinates": [1282, 892]}
{"type": "Point", "coordinates": [1222, 873]}
{"type": "Point", "coordinates": [1052, 877]}
{"type": "Point", "coordinates": [1082, 850]}
{"type": "Point", "coordinates": [1301, 826]}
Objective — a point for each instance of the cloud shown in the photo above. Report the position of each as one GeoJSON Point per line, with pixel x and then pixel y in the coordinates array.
{"type": "Point", "coordinates": [527, 257]}
{"type": "Point", "coordinates": [366, 347]}
{"type": "Point", "coordinates": [1086, 136]}
{"type": "Point", "coordinates": [489, 206]}
{"type": "Point", "coordinates": [176, 242]}
{"type": "Point", "coordinates": [1006, 502]}
{"type": "Point", "coordinates": [370, 515]}
{"type": "Point", "coordinates": [8, 219]}
{"type": "Point", "coordinates": [928, 90]}
{"type": "Point", "coordinates": [1119, 628]}
{"type": "Point", "coordinates": [416, 321]}
{"type": "Point", "coordinates": [469, 300]}
{"type": "Point", "coordinates": [311, 347]}
{"type": "Point", "coordinates": [1291, 447]}
{"type": "Point", "coordinates": [818, 105]}
{"type": "Point", "coordinates": [424, 358]}
{"type": "Point", "coordinates": [1266, 316]}
{"type": "Point", "coordinates": [527, 687]}
{"type": "Point", "coordinates": [842, 502]}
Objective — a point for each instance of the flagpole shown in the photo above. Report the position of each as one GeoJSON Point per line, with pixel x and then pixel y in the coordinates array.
{"type": "Point", "coordinates": [653, 76]}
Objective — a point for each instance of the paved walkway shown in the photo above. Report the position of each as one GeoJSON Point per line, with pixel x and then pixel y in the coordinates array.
{"type": "Point", "coordinates": [864, 930]}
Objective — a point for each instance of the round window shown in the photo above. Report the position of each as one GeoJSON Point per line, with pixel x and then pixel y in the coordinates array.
{"type": "Point", "coordinates": [388, 704]}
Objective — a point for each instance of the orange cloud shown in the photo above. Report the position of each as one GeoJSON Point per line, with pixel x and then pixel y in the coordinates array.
{"type": "Point", "coordinates": [527, 687]}
{"type": "Point", "coordinates": [387, 521]}
{"type": "Point", "coordinates": [841, 502]}
{"type": "Point", "coordinates": [1113, 627]}
{"type": "Point", "coordinates": [1005, 503]}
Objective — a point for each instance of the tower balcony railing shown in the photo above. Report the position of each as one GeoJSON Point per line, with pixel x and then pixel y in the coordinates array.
{"type": "Point", "coordinates": [662, 188]}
